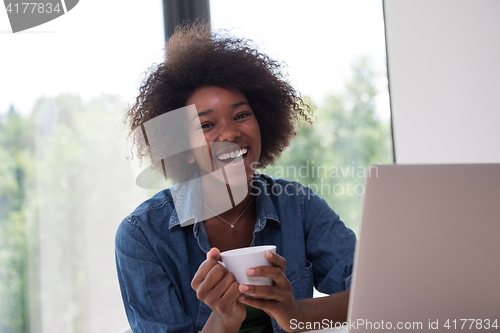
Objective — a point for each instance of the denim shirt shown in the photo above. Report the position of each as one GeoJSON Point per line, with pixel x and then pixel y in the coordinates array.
{"type": "Point", "coordinates": [156, 258]}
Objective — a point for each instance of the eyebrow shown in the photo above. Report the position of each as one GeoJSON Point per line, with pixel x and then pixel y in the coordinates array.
{"type": "Point", "coordinates": [208, 111]}
{"type": "Point", "coordinates": [234, 106]}
{"type": "Point", "coordinates": [202, 113]}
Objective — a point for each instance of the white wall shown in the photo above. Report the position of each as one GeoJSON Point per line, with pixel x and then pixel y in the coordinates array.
{"type": "Point", "coordinates": [444, 76]}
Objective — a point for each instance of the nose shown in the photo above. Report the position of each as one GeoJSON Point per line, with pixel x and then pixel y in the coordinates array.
{"type": "Point", "coordinates": [228, 132]}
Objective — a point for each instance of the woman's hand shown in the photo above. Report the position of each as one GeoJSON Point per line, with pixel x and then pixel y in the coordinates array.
{"type": "Point", "coordinates": [276, 300]}
{"type": "Point", "coordinates": [217, 288]}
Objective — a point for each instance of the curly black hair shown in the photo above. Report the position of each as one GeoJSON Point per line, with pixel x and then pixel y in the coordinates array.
{"type": "Point", "coordinates": [195, 58]}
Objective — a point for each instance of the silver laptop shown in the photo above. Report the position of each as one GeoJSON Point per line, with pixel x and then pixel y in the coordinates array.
{"type": "Point", "coordinates": [428, 256]}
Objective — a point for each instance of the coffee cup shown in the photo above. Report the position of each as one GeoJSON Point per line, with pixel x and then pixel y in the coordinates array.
{"type": "Point", "coordinates": [238, 261]}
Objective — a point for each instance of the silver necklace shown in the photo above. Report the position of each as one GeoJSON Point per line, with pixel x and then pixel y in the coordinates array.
{"type": "Point", "coordinates": [230, 224]}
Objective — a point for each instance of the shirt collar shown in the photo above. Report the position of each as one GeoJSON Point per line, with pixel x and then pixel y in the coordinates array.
{"type": "Point", "coordinates": [188, 203]}
{"type": "Point", "coordinates": [265, 206]}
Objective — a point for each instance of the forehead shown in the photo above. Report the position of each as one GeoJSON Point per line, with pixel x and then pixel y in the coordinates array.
{"type": "Point", "coordinates": [213, 96]}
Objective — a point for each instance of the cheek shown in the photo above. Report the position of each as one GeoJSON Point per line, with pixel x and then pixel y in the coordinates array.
{"type": "Point", "coordinates": [210, 136]}
{"type": "Point", "coordinates": [196, 138]}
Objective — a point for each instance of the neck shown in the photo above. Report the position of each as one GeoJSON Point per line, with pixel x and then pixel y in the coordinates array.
{"type": "Point", "coordinates": [219, 200]}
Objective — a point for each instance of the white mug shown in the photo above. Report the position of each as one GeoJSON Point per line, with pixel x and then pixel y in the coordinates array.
{"type": "Point", "coordinates": [239, 260]}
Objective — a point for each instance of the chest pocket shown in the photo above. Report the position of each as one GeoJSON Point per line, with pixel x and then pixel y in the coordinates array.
{"type": "Point", "coordinates": [302, 282]}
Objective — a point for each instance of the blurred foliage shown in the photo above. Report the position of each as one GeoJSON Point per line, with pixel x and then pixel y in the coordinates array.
{"type": "Point", "coordinates": [333, 155]}
{"type": "Point", "coordinates": [16, 176]}
{"type": "Point", "coordinates": [51, 163]}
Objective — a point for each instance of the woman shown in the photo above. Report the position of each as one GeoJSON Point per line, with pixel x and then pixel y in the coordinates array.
{"type": "Point", "coordinates": [169, 275]}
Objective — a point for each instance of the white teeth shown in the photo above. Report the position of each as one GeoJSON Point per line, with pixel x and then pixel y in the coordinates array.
{"type": "Point", "coordinates": [233, 154]}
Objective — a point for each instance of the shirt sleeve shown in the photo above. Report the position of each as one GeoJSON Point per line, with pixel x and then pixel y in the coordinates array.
{"type": "Point", "coordinates": [151, 299]}
{"type": "Point", "coordinates": [330, 245]}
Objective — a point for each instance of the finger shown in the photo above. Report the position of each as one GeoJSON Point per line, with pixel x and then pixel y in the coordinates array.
{"type": "Point", "coordinates": [215, 275]}
{"type": "Point", "coordinates": [230, 297]}
{"type": "Point", "coordinates": [232, 292]}
{"type": "Point", "coordinates": [276, 260]}
{"type": "Point", "coordinates": [227, 282]}
{"type": "Point", "coordinates": [272, 272]}
{"type": "Point", "coordinates": [212, 279]}
{"type": "Point", "coordinates": [214, 253]}
{"type": "Point", "coordinates": [220, 289]}
{"type": "Point", "coordinates": [263, 292]}
{"type": "Point", "coordinates": [202, 272]}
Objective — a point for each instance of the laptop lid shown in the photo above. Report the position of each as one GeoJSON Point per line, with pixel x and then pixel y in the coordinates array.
{"type": "Point", "coordinates": [428, 255]}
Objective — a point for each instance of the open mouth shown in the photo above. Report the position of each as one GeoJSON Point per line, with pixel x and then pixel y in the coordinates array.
{"type": "Point", "coordinates": [229, 156]}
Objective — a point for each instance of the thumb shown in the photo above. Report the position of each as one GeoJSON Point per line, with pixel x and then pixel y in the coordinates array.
{"type": "Point", "coordinates": [214, 253]}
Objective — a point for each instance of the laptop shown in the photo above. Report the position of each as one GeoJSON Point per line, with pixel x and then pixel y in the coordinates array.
{"type": "Point", "coordinates": [428, 255]}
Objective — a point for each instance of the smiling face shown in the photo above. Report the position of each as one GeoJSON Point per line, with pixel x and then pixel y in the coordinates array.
{"type": "Point", "coordinates": [226, 116]}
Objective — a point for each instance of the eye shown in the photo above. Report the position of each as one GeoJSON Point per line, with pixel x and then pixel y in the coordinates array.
{"type": "Point", "coordinates": [242, 115]}
{"type": "Point", "coordinates": [205, 125]}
